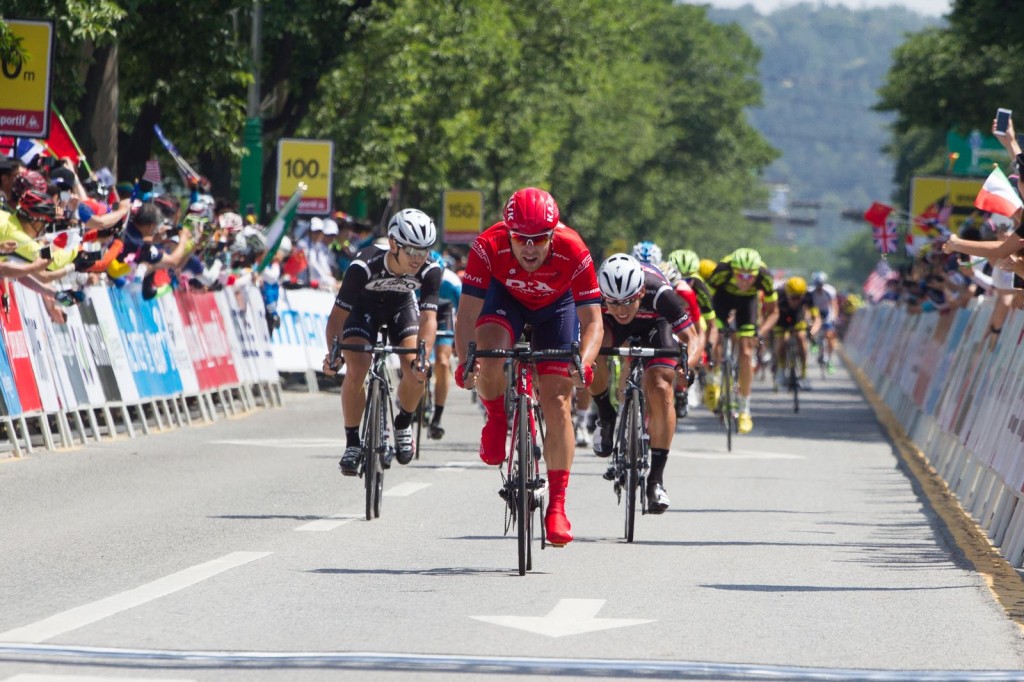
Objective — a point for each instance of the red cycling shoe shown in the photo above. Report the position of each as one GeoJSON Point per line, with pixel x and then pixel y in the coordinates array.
{"type": "Point", "coordinates": [559, 531]}
{"type": "Point", "coordinates": [492, 441]}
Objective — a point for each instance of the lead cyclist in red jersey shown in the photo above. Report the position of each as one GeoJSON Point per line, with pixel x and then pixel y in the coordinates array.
{"type": "Point", "coordinates": [531, 269]}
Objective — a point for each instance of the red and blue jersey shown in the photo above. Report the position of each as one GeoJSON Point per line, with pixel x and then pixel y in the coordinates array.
{"type": "Point", "coordinates": [568, 267]}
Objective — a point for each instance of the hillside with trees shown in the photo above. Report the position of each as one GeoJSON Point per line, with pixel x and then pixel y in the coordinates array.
{"type": "Point", "coordinates": [821, 70]}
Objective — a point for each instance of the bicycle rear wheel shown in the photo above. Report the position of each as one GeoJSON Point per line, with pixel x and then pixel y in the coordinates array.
{"type": "Point", "coordinates": [524, 465]}
{"type": "Point", "coordinates": [794, 358]}
{"type": "Point", "coordinates": [726, 405]}
{"type": "Point", "coordinates": [633, 435]}
{"type": "Point", "coordinates": [372, 446]}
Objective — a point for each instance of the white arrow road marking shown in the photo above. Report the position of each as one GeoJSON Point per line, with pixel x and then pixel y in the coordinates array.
{"type": "Point", "coordinates": [98, 610]}
{"type": "Point", "coordinates": [569, 617]}
{"type": "Point", "coordinates": [735, 454]}
{"type": "Point", "coordinates": [37, 677]}
{"type": "Point", "coordinates": [405, 489]}
{"type": "Point", "coordinates": [284, 443]}
{"type": "Point", "coordinates": [330, 523]}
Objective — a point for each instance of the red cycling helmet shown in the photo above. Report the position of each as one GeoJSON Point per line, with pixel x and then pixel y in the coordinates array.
{"type": "Point", "coordinates": [35, 205]}
{"type": "Point", "coordinates": [531, 211]}
{"type": "Point", "coordinates": [25, 181]}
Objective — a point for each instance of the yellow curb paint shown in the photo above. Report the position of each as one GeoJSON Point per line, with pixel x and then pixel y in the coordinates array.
{"type": "Point", "coordinates": [1002, 579]}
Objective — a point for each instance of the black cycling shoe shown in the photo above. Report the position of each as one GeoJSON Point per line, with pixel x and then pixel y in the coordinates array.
{"type": "Point", "coordinates": [349, 463]}
{"type": "Point", "coordinates": [610, 473]}
{"type": "Point", "coordinates": [603, 437]}
{"type": "Point", "coordinates": [435, 432]}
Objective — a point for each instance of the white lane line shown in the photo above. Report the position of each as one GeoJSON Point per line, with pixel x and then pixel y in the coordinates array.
{"type": "Point", "coordinates": [405, 489]}
{"type": "Point", "coordinates": [98, 610]}
{"type": "Point", "coordinates": [462, 466]}
{"type": "Point", "coordinates": [330, 523]}
{"type": "Point", "coordinates": [284, 443]}
{"type": "Point", "coordinates": [36, 677]}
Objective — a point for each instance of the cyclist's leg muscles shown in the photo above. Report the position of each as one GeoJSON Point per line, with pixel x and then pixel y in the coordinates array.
{"type": "Point", "coordinates": [442, 373]}
{"type": "Point", "coordinates": [360, 327]}
{"type": "Point", "coordinates": [403, 329]}
{"type": "Point", "coordinates": [746, 319]}
{"type": "Point", "coordinates": [658, 380]}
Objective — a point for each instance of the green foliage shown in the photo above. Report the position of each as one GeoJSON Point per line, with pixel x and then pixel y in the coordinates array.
{"type": "Point", "coordinates": [952, 77]}
{"type": "Point", "coordinates": [632, 115]}
{"type": "Point", "coordinates": [11, 49]}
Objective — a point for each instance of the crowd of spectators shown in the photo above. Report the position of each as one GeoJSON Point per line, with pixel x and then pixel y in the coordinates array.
{"type": "Point", "coordinates": [63, 228]}
{"type": "Point", "coordinates": [984, 258]}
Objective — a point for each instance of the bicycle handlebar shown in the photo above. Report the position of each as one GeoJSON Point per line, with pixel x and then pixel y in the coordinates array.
{"type": "Point", "coordinates": [641, 352]}
{"type": "Point", "coordinates": [419, 351]}
{"type": "Point", "coordinates": [573, 352]}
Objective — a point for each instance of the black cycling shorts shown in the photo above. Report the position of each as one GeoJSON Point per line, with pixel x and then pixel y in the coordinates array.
{"type": "Point", "coordinates": [365, 321]}
{"type": "Point", "coordinates": [655, 333]}
{"type": "Point", "coordinates": [745, 307]}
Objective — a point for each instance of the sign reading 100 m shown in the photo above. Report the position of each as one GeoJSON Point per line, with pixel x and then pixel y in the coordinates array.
{"type": "Point", "coordinates": [308, 161]}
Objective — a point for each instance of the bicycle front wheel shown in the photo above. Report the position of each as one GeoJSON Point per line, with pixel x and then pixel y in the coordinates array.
{"type": "Point", "coordinates": [372, 446]}
{"type": "Point", "coordinates": [524, 465]}
{"type": "Point", "coordinates": [634, 429]}
{"type": "Point", "coordinates": [727, 403]}
{"type": "Point", "coordinates": [794, 358]}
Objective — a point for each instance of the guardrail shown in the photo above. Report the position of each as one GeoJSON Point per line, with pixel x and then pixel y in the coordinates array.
{"type": "Point", "coordinates": [961, 402]}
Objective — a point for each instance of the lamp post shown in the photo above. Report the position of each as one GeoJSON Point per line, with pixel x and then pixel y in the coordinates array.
{"type": "Point", "coordinates": [251, 182]}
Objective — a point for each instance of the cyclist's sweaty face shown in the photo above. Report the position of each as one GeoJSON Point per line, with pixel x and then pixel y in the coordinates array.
{"type": "Point", "coordinates": [530, 250]}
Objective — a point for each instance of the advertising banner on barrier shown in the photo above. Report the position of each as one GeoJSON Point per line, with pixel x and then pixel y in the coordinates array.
{"type": "Point", "coordinates": [98, 349]}
{"type": "Point", "coordinates": [257, 315]}
{"type": "Point", "coordinates": [204, 327]}
{"type": "Point", "coordinates": [18, 358]}
{"type": "Point", "coordinates": [238, 334]}
{"type": "Point", "coordinates": [300, 342]}
{"type": "Point", "coordinates": [78, 338]}
{"type": "Point", "coordinates": [9, 403]}
{"type": "Point", "coordinates": [106, 320]}
{"type": "Point", "coordinates": [71, 373]}
{"type": "Point", "coordinates": [164, 373]}
{"type": "Point", "coordinates": [177, 342]}
{"type": "Point", "coordinates": [39, 349]}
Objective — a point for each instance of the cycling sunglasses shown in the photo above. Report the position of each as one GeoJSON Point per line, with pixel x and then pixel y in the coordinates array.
{"type": "Point", "coordinates": [622, 303]}
{"type": "Point", "coordinates": [740, 274]}
{"type": "Point", "coordinates": [538, 240]}
{"type": "Point", "coordinates": [413, 252]}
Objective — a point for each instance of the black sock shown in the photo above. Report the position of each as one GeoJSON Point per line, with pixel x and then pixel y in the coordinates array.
{"type": "Point", "coordinates": [352, 436]}
{"type": "Point", "coordinates": [438, 411]}
{"type": "Point", "coordinates": [605, 411]}
{"type": "Point", "coordinates": [659, 457]}
{"type": "Point", "coordinates": [403, 419]}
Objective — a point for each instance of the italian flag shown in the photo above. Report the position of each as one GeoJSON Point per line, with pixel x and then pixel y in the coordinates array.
{"type": "Point", "coordinates": [998, 196]}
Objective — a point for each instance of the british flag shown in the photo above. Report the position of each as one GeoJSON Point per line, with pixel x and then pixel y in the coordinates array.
{"type": "Point", "coordinates": [885, 236]}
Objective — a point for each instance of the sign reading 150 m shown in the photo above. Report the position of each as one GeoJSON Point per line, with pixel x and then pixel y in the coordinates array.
{"type": "Point", "coordinates": [307, 161]}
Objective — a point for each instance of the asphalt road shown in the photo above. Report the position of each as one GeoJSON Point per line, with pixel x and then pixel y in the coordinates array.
{"type": "Point", "coordinates": [236, 551]}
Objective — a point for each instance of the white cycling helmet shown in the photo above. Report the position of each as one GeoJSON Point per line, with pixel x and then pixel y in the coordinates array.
{"type": "Point", "coordinates": [412, 227]}
{"type": "Point", "coordinates": [819, 279]}
{"type": "Point", "coordinates": [621, 277]}
{"type": "Point", "coordinates": [647, 252]}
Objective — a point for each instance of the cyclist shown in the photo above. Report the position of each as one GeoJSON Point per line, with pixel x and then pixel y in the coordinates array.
{"type": "Point", "coordinates": [794, 306]}
{"type": "Point", "coordinates": [737, 281]}
{"type": "Point", "coordinates": [689, 266]}
{"type": "Point", "coordinates": [378, 289]}
{"type": "Point", "coordinates": [647, 252]}
{"type": "Point", "coordinates": [532, 269]}
{"type": "Point", "coordinates": [448, 306]}
{"type": "Point", "coordinates": [639, 301]}
{"type": "Point", "coordinates": [826, 300]}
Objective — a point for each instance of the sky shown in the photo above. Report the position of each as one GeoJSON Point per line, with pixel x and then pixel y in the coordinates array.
{"type": "Point", "coordinates": [933, 8]}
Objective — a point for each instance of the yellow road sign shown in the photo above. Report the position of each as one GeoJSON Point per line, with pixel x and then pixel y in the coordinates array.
{"type": "Point", "coordinates": [308, 161]}
{"type": "Point", "coordinates": [25, 85]}
{"type": "Point", "coordinates": [462, 215]}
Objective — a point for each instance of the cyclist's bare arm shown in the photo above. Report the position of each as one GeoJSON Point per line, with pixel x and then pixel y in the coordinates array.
{"type": "Point", "coordinates": [427, 334]}
{"type": "Point", "coordinates": [691, 338]}
{"type": "Point", "coordinates": [335, 326]}
{"type": "Point", "coordinates": [771, 316]}
{"type": "Point", "coordinates": [465, 324]}
{"type": "Point", "coordinates": [591, 333]}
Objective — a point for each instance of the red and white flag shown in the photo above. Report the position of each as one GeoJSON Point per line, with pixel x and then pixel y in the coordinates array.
{"type": "Point", "coordinates": [152, 173]}
{"type": "Point", "coordinates": [877, 213]}
{"type": "Point", "coordinates": [998, 196]}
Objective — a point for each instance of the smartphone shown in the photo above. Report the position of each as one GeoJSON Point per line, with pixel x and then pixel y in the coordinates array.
{"type": "Point", "coordinates": [1002, 121]}
{"type": "Point", "coordinates": [45, 252]}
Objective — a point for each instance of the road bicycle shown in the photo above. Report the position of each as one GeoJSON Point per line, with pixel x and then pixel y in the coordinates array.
{"type": "Point", "coordinates": [631, 452]}
{"type": "Point", "coordinates": [378, 415]}
{"type": "Point", "coordinates": [726, 409]}
{"type": "Point", "coordinates": [523, 488]}
{"type": "Point", "coordinates": [790, 362]}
